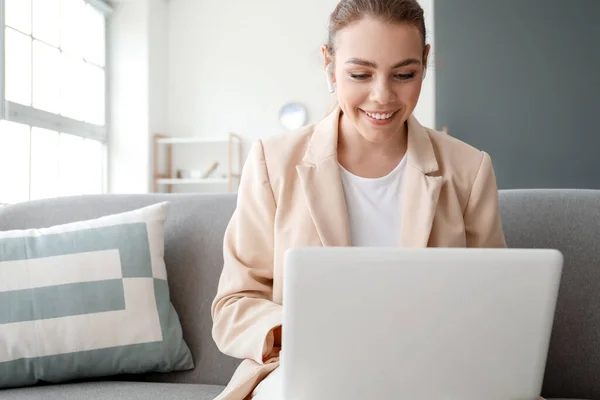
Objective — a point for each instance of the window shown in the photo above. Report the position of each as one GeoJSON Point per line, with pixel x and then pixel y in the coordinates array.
{"type": "Point", "coordinates": [52, 98]}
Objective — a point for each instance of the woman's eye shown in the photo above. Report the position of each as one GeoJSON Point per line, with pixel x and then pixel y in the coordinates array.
{"type": "Point", "coordinates": [405, 77]}
{"type": "Point", "coordinates": [362, 77]}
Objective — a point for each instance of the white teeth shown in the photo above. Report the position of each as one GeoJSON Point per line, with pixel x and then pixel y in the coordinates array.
{"type": "Point", "coordinates": [380, 116]}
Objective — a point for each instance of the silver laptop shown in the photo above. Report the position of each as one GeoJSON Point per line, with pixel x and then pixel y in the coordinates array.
{"type": "Point", "coordinates": [423, 324]}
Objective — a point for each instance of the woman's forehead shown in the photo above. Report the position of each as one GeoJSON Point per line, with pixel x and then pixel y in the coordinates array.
{"type": "Point", "coordinates": [378, 41]}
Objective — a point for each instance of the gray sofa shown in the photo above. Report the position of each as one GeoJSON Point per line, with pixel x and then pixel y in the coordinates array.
{"type": "Point", "coordinates": [568, 220]}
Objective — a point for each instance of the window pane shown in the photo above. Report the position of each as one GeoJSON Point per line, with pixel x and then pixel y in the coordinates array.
{"type": "Point", "coordinates": [94, 37]}
{"type": "Point", "coordinates": [14, 162]}
{"type": "Point", "coordinates": [18, 67]}
{"type": "Point", "coordinates": [73, 85]}
{"type": "Point", "coordinates": [44, 163]}
{"type": "Point", "coordinates": [92, 167]}
{"type": "Point", "coordinates": [46, 21]}
{"type": "Point", "coordinates": [46, 73]}
{"type": "Point", "coordinates": [95, 95]}
{"type": "Point", "coordinates": [70, 173]}
{"type": "Point", "coordinates": [72, 26]}
{"type": "Point", "coordinates": [18, 14]}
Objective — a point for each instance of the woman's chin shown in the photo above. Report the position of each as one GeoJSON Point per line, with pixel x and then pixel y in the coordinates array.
{"type": "Point", "coordinates": [378, 137]}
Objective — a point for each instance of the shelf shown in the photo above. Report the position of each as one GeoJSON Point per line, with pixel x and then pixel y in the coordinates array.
{"type": "Point", "coordinates": [207, 181]}
{"type": "Point", "coordinates": [197, 139]}
{"type": "Point", "coordinates": [165, 145]}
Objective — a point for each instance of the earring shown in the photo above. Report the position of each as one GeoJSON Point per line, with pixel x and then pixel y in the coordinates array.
{"type": "Point", "coordinates": [329, 78]}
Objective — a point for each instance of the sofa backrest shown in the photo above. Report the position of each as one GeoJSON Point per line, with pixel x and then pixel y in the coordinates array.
{"type": "Point", "coordinates": [568, 220]}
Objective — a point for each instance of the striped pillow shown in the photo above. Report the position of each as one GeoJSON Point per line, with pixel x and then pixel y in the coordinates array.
{"type": "Point", "coordinates": [88, 299]}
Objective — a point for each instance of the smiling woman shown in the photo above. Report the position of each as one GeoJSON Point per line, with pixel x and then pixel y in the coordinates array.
{"type": "Point", "coordinates": [378, 86]}
{"type": "Point", "coordinates": [368, 175]}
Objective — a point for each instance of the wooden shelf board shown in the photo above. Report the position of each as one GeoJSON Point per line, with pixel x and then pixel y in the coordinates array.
{"type": "Point", "coordinates": [197, 139]}
{"type": "Point", "coordinates": [207, 181]}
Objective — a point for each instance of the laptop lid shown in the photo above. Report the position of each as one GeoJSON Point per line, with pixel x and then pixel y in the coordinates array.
{"type": "Point", "coordinates": [443, 324]}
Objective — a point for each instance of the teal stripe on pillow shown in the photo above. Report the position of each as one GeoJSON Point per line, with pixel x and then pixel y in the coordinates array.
{"type": "Point", "coordinates": [59, 301]}
{"type": "Point", "coordinates": [169, 355]}
{"type": "Point", "coordinates": [130, 239]}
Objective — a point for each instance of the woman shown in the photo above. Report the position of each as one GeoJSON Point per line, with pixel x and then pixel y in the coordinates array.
{"type": "Point", "coordinates": [367, 175]}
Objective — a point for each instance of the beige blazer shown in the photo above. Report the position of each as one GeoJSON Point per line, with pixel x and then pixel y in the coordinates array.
{"type": "Point", "coordinates": [291, 195]}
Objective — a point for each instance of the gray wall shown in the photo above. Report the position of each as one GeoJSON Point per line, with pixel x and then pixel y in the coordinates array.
{"type": "Point", "coordinates": [520, 79]}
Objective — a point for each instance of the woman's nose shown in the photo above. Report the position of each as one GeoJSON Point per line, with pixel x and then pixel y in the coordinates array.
{"type": "Point", "coordinates": [382, 92]}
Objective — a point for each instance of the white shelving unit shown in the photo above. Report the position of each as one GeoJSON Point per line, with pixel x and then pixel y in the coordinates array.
{"type": "Point", "coordinates": [165, 143]}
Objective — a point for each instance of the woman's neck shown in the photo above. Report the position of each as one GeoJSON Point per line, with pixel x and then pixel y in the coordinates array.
{"type": "Point", "coordinates": [365, 158]}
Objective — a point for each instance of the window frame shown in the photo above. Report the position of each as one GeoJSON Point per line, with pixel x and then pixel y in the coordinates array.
{"type": "Point", "coordinates": [34, 117]}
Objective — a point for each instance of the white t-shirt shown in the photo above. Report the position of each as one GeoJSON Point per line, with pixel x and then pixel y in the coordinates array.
{"type": "Point", "coordinates": [374, 207]}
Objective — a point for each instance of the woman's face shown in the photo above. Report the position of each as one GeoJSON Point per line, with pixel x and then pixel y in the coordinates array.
{"type": "Point", "coordinates": [379, 71]}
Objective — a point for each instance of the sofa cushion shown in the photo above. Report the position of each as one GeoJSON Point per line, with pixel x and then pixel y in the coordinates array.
{"type": "Point", "coordinates": [121, 391]}
{"type": "Point", "coordinates": [88, 299]}
{"type": "Point", "coordinates": [193, 254]}
{"type": "Point", "coordinates": [115, 390]}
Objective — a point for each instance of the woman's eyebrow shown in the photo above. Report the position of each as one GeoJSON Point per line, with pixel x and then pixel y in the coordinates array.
{"type": "Point", "coordinates": [371, 64]}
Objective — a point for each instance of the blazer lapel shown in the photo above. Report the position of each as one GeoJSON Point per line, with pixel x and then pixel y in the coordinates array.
{"type": "Point", "coordinates": [321, 181]}
{"type": "Point", "coordinates": [421, 189]}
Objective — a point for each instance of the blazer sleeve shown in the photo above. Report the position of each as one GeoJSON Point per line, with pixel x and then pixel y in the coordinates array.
{"type": "Point", "coordinates": [245, 318]}
{"type": "Point", "coordinates": [483, 224]}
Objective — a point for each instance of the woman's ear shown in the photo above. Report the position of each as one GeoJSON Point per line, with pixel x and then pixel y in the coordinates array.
{"type": "Point", "coordinates": [426, 59]}
{"type": "Point", "coordinates": [426, 52]}
{"type": "Point", "coordinates": [329, 72]}
{"type": "Point", "coordinates": [327, 59]}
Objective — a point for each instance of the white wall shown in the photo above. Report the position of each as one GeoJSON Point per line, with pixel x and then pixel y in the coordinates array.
{"type": "Point", "coordinates": [425, 111]}
{"type": "Point", "coordinates": [232, 65]}
{"type": "Point", "coordinates": [128, 67]}
{"type": "Point", "coordinates": [158, 63]}
{"type": "Point", "coordinates": [137, 90]}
